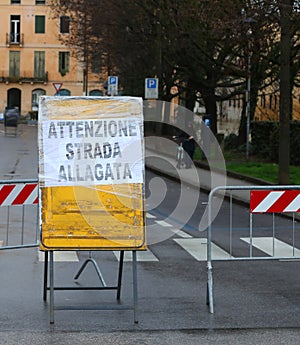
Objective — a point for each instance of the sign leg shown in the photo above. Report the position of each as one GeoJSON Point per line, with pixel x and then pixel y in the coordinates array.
{"type": "Point", "coordinates": [120, 274]}
{"type": "Point", "coordinates": [51, 288]}
{"type": "Point", "coordinates": [135, 291]}
{"type": "Point", "coordinates": [45, 276]}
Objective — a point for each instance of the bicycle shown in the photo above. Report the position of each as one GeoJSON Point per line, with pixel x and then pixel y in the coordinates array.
{"type": "Point", "coordinates": [180, 153]}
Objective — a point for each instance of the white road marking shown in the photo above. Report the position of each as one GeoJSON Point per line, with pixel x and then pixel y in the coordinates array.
{"type": "Point", "coordinates": [163, 223]}
{"type": "Point", "coordinates": [197, 247]}
{"type": "Point", "coordinates": [60, 256]}
{"type": "Point", "coordinates": [150, 216]}
{"type": "Point", "coordinates": [174, 230]}
{"type": "Point", "coordinates": [265, 244]}
{"type": "Point", "coordinates": [141, 256]}
{"type": "Point", "coordinates": [181, 233]}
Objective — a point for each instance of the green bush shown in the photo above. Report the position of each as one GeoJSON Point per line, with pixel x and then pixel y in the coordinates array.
{"type": "Point", "coordinates": [265, 140]}
{"type": "Point", "coordinates": [295, 143]}
{"type": "Point", "coordinates": [274, 144]}
{"type": "Point", "coordinates": [231, 142]}
{"type": "Point", "coordinates": [260, 137]}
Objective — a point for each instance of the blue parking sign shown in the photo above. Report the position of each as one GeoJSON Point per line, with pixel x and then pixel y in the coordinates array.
{"type": "Point", "coordinates": [151, 83]}
{"type": "Point", "coordinates": [151, 88]}
{"type": "Point", "coordinates": [112, 80]}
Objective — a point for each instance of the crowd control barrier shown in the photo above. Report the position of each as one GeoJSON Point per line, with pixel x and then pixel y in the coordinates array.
{"type": "Point", "coordinates": [268, 204]}
{"type": "Point", "coordinates": [19, 216]}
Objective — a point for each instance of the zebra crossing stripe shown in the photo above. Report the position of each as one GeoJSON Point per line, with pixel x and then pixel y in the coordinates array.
{"type": "Point", "coordinates": [60, 256]}
{"type": "Point", "coordinates": [163, 223]}
{"type": "Point", "coordinates": [141, 256]}
{"type": "Point", "coordinates": [265, 244]}
{"type": "Point", "coordinates": [168, 225]}
{"type": "Point", "coordinates": [150, 216]}
{"type": "Point", "coordinates": [181, 233]}
{"type": "Point", "coordinates": [197, 247]}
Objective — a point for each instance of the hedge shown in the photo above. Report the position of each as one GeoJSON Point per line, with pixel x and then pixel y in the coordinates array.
{"type": "Point", "coordinates": [265, 140]}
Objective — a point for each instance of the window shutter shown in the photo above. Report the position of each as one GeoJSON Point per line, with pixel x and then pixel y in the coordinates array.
{"type": "Point", "coordinates": [39, 24]}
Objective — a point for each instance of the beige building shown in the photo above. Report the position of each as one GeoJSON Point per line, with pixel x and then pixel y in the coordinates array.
{"type": "Point", "coordinates": [33, 60]}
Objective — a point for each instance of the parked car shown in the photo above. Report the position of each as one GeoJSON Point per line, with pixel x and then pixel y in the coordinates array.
{"type": "Point", "coordinates": [11, 118]}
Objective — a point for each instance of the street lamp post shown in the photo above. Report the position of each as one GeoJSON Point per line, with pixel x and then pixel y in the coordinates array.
{"type": "Point", "coordinates": [85, 79]}
{"type": "Point", "coordinates": [249, 21]}
{"type": "Point", "coordinates": [248, 93]}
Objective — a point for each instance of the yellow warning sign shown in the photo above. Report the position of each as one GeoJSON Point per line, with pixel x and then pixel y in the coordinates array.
{"type": "Point", "coordinates": [91, 173]}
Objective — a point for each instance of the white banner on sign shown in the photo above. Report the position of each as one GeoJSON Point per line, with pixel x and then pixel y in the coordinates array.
{"type": "Point", "coordinates": [85, 152]}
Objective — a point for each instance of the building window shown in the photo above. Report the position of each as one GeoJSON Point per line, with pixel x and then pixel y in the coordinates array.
{"type": "Point", "coordinates": [271, 101]}
{"type": "Point", "coordinates": [39, 24]}
{"type": "Point", "coordinates": [15, 1]}
{"type": "Point", "coordinates": [96, 93]}
{"type": "Point", "coordinates": [263, 100]}
{"type": "Point", "coordinates": [15, 22]}
{"type": "Point", "coordinates": [63, 92]}
{"type": "Point", "coordinates": [39, 64]}
{"type": "Point", "coordinates": [36, 94]}
{"type": "Point", "coordinates": [64, 24]}
{"type": "Point", "coordinates": [14, 64]}
{"type": "Point", "coordinates": [64, 63]}
{"type": "Point", "coordinates": [40, 2]}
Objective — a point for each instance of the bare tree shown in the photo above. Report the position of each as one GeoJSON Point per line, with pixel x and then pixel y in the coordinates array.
{"type": "Point", "coordinates": [285, 7]}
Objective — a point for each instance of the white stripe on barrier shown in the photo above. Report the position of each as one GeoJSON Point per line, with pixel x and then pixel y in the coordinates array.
{"type": "Point", "coordinates": [12, 195]}
{"type": "Point", "coordinates": [294, 206]}
{"type": "Point", "coordinates": [268, 201]}
{"type": "Point", "coordinates": [32, 197]}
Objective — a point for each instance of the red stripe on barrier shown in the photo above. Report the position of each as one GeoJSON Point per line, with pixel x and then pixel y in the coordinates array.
{"type": "Point", "coordinates": [256, 197]}
{"type": "Point", "coordinates": [24, 194]}
{"type": "Point", "coordinates": [36, 200]}
{"type": "Point", "coordinates": [5, 191]}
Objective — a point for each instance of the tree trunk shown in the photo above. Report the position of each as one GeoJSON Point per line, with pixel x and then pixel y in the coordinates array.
{"type": "Point", "coordinates": [242, 127]}
{"type": "Point", "coordinates": [285, 93]}
{"type": "Point", "coordinates": [210, 102]}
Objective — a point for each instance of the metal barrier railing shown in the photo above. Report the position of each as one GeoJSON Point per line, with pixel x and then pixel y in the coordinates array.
{"type": "Point", "coordinates": [269, 200]}
{"type": "Point", "coordinates": [19, 215]}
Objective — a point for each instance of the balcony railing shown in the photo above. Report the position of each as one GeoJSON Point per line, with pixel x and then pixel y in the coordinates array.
{"type": "Point", "coordinates": [24, 79]}
{"type": "Point", "coordinates": [14, 38]}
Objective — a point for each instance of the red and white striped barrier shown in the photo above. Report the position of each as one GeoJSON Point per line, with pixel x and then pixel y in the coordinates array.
{"type": "Point", "coordinates": [263, 201]}
{"type": "Point", "coordinates": [18, 194]}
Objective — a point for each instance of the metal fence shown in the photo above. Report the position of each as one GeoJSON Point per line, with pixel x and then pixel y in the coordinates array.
{"type": "Point", "coordinates": [19, 216]}
{"type": "Point", "coordinates": [262, 233]}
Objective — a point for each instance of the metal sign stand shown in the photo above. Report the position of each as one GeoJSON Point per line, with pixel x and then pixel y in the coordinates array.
{"type": "Point", "coordinates": [52, 288]}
